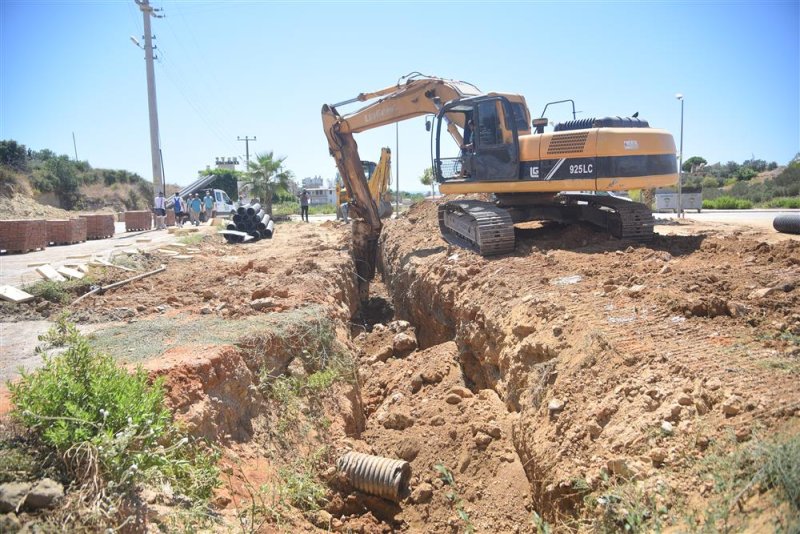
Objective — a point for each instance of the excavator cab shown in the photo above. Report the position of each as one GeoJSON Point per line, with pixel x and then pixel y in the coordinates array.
{"type": "Point", "coordinates": [490, 144]}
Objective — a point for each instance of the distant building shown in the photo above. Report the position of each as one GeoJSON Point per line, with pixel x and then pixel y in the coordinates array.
{"type": "Point", "coordinates": [228, 164]}
{"type": "Point", "coordinates": [321, 195]}
{"type": "Point", "coordinates": [315, 182]}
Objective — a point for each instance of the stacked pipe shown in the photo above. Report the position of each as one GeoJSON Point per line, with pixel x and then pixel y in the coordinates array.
{"type": "Point", "coordinates": [253, 221]}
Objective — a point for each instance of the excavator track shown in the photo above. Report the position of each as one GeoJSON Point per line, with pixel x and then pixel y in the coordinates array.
{"type": "Point", "coordinates": [480, 226]}
{"type": "Point", "coordinates": [622, 218]}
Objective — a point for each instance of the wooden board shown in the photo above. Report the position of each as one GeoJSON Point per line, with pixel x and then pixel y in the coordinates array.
{"type": "Point", "coordinates": [12, 294]}
{"type": "Point", "coordinates": [79, 257]}
{"type": "Point", "coordinates": [48, 273]}
{"type": "Point", "coordinates": [37, 264]}
{"type": "Point", "coordinates": [175, 245]}
{"type": "Point", "coordinates": [143, 240]}
{"type": "Point", "coordinates": [182, 257]}
{"type": "Point", "coordinates": [167, 252]}
{"type": "Point", "coordinates": [70, 273]}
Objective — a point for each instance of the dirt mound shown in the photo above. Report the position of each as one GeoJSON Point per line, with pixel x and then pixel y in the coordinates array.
{"type": "Point", "coordinates": [623, 361]}
{"type": "Point", "coordinates": [20, 206]}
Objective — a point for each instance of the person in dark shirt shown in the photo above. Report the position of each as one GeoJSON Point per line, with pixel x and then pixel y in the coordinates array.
{"type": "Point", "coordinates": [304, 206]}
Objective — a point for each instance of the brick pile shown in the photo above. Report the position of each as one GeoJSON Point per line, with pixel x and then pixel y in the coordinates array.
{"type": "Point", "coordinates": [138, 220]}
{"type": "Point", "coordinates": [22, 235]}
{"type": "Point", "coordinates": [99, 226]}
{"type": "Point", "coordinates": [66, 231]}
{"type": "Point", "coordinates": [170, 218]}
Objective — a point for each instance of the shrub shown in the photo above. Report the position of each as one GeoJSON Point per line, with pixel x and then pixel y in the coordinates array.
{"type": "Point", "coordinates": [59, 292]}
{"type": "Point", "coordinates": [107, 423]}
{"type": "Point", "coordinates": [727, 203]}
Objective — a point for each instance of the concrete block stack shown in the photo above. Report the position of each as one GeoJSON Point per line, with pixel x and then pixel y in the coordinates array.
{"type": "Point", "coordinates": [66, 231]}
{"type": "Point", "coordinates": [99, 226]}
{"type": "Point", "coordinates": [22, 235]}
{"type": "Point", "coordinates": [138, 220]}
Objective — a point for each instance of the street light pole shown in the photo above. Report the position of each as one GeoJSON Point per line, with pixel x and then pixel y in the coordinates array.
{"type": "Point", "coordinates": [397, 167]}
{"type": "Point", "coordinates": [679, 96]}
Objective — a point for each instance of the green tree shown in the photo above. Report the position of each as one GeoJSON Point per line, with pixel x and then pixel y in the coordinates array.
{"type": "Point", "coordinates": [427, 179]}
{"type": "Point", "coordinates": [745, 173]}
{"type": "Point", "coordinates": [227, 180]}
{"type": "Point", "coordinates": [692, 163]}
{"type": "Point", "coordinates": [267, 176]}
{"type": "Point", "coordinates": [13, 155]}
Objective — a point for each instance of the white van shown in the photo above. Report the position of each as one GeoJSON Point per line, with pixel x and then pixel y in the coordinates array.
{"type": "Point", "coordinates": [223, 205]}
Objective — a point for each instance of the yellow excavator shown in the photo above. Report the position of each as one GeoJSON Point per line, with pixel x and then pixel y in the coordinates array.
{"type": "Point", "coordinates": [378, 176]}
{"type": "Point", "coordinates": [531, 173]}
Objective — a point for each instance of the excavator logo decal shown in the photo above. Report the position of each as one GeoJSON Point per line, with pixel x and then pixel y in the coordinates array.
{"type": "Point", "coordinates": [379, 114]}
{"type": "Point", "coordinates": [535, 172]}
{"type": "Point", "coordinates": [554, 169]}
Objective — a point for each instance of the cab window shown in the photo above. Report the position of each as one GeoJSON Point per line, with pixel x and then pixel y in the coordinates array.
{"type": "Point", "coordinates": [219, 196]}
{"type": "Point", "coordinates": [488, 124]}
{"type": "Point", "coordinates": [225, 198]}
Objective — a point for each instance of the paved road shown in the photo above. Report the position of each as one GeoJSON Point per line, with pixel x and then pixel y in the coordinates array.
{"type": "Point", "coordinates": [761, 218]}
{"type": "Point", "coordinates": [15, 270]}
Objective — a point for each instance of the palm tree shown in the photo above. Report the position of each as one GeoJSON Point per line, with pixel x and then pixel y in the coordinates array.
{"type": "Point", "coordinates": [267, 176]}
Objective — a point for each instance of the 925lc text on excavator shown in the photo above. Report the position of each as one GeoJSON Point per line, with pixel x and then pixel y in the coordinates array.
{"type": "Point", "coordinates": [528, 172]}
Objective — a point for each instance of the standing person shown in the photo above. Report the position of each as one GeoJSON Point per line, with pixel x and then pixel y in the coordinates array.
{"type": "Point", "coordinates": [208, 204]}
{"type": "Point", "coordinates": [178, 209]}
{"type": "Point", "coordinates": [304, 206]}
{"type": "Point", "coordinates": [160, 209]}
{"type": "Point", "coordinates": [345, 210]}
{"type": "Point", "coordinates": [194, 209]}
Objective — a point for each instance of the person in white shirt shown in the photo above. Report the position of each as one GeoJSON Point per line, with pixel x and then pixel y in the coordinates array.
{"type": "Point", "coordinates": [160, 209]}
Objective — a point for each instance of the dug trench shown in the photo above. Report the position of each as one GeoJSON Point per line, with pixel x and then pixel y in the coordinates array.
{"type": "Point", "coordinates": [578, 384]}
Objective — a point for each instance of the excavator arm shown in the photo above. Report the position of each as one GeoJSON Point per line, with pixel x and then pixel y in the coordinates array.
{"type": "Point", "coordinates": [413, 96]}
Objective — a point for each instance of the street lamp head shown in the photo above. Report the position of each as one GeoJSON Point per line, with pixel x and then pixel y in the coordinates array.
{"type": "Point", "coordinates": [679, 96]}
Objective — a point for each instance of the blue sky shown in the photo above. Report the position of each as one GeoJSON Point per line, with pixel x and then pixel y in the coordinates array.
{"type": "Point", "coordinates": [264, 69]}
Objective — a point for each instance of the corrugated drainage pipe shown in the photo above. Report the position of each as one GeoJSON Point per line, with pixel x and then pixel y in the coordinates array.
{"type": "Point", "coordinates": [376, 475]}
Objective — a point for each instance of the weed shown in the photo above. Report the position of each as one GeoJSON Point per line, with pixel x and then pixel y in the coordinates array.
{"type": "Point", "coordinates": [738, 471]}
{"type": "Point", "coordinates": [446, 475]}
{"type": "Point", "coordinates": [110, 428]}
{"type": "Point", "coordinates": [58, 335]}
{"type": "Point", "coordinates": [264, 505]}
{"type": "Point", "coordinates": [541, 526]}
{"type": "Point", "coordinates": [627, 508]}
{"type": "Point", "coordinates": [58, 292]}
{"type": "Point", "coordinates": [192, 239]}
{"type": "Point", "coordinates": [300, 487]}
{"type": "Point", "coordinates": [789, 366]}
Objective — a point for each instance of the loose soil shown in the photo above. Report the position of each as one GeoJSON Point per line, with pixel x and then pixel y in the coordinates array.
{"type": "Point", "coordinates": [571, 385]}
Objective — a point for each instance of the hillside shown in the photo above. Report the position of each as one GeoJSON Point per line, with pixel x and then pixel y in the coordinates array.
{"type": "Point", "coordinates": [35, 184]}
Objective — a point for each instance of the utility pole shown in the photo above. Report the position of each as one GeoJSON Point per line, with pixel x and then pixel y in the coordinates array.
{"type": "Point", "coordinates": [75, 146]}
{"type": "Point", "coordinates": [239, 185]}
{"type": "Point", "coordinates": [155, 151]}
{"type": "Point", "coordinates": [397, 167]}
{"type": "Point", "coordinates": [246, 147]}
